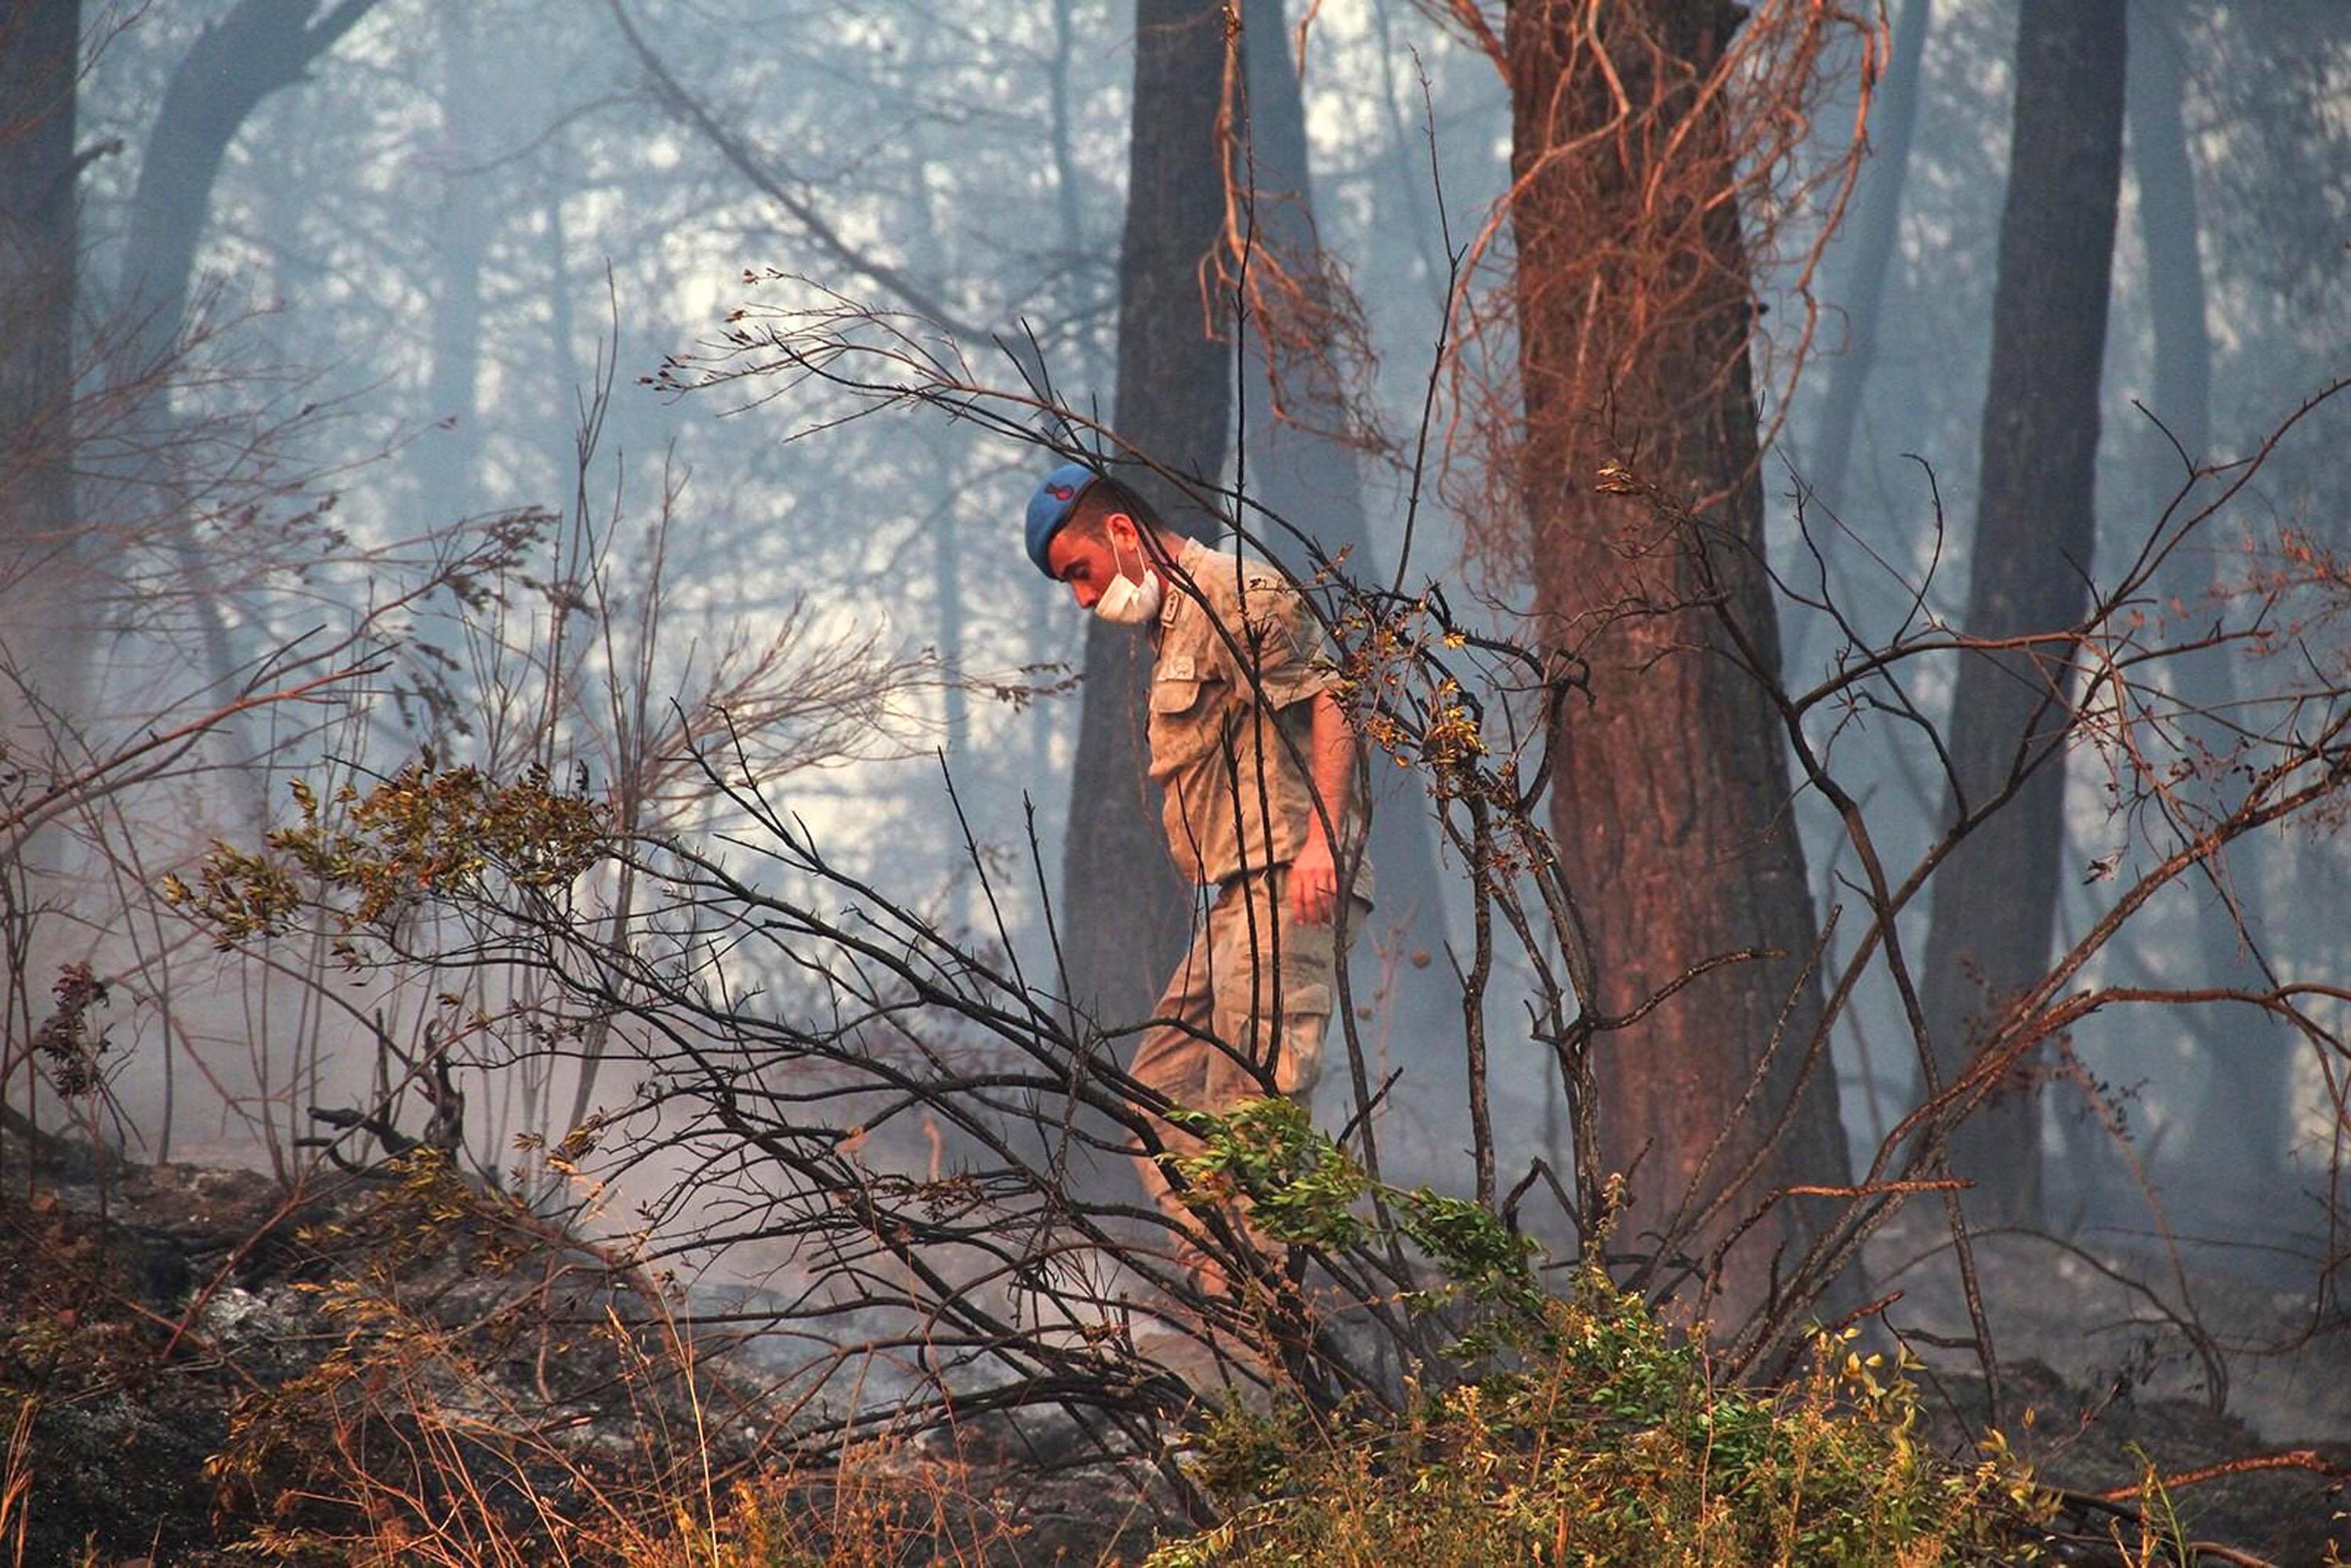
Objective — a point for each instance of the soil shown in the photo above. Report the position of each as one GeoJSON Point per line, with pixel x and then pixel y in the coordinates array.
{"type": "Point", "coordinates": [2108, 1365]}
{"type": "Point", "coordinates": [131, 1349]}
{"type": "Point", "coordinates": [130, 1343]}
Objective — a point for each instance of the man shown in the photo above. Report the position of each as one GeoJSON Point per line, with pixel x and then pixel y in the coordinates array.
{"type": "Point", "coordinates": [1257, 765]}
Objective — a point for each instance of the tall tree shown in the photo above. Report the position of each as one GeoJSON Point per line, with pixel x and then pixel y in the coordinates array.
{"type": "Point", "coordinates": [1123, 912]}
{"type": "Point", "coordinates": [1300, 466]}
{"type": "Point", "coordinates": [43, 632]}
{"type": "Point", "coordinates": [448, 468]}
{"type": "Point", "coordinates": [927, 252]}
{"type": "Point", "coordinates": [1876, 224]}
{"type": "Point", "coordinates": [1671, 807]}
{"type": "Point", "coordinates": [2241, 1123]}
{"type": "Point", "coordinates": [39, 68]}
{"type": "Point", "coordinates": [236, 63]}
{"type": "Point", "coordinates": [1995, 898]}
{"type": "Point", "coordinates": [41, 628]}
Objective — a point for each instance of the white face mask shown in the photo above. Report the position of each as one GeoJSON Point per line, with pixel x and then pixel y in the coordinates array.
{"type": "Point", "coordinates": [1126, 602]}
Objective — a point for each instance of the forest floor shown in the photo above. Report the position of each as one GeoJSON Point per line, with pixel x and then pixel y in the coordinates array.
{"type": "Point", "coordinates": [144, 1312]}
{"type": "Point", "coordinates": [2113, 1348]}
{"type": "Point", "coordinates": [189, 1361]}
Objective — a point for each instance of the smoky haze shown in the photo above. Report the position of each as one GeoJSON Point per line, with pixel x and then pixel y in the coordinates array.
{"type": "Point", "coordinates": [382, 319]}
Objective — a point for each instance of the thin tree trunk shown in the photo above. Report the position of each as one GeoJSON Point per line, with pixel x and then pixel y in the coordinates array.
{"type": "Point", "coordinates": [1408, 155]}
{"type": "Point", "coordinates": [1995, 898]}
{"type": "Point", "coordinates": [1873, 228]}
{"type": "Point", "coordinates": [448, 465]}
{"type": "Point", "coordinates": [1671, 808]}
{"type": "Point", "coordinates": [1123, 912]}
{"type": "Point", "coordinates": [927, 251]}
{"type": "Point", "coordinates": [563, 354]}
{"type": "Point", "coordinates": [1047, 629]}
{"type": "Point", "coordinates": [237, 62]}
{"type": "Point", "coordinates": [1059, 103]}
{"type": "Point", "coordinates": [1876, 224]}
{"type": "Point", "coordinates": [2241, 1123]}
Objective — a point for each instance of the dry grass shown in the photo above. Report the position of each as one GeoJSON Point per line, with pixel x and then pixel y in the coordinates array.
{"type": "Point", "coordinates": [489, 1401]}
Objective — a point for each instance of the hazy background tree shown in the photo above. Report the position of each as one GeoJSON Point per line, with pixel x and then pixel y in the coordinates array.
{"type": "Point", "coordinates": [235, 62]}
{"type": "Point", "coordinates": [44, 638]}
{"type": "Point", "coordinates": [1872, 228]}
{"type": "Point", "coordinates": [1995, 901]}
{"type": "Point", "coordinates": [2243, 1116]}
{"type": "Point", "coordinates": [256, 49]}
{"type": "Point", "coordinates": [1305, 431]}
{"type": "Point", "coordinates": [1123, 912]}
{"type": "Point", "coordinates": [40, 255]}
{"type": "Point", "coordinates": [449, 477]}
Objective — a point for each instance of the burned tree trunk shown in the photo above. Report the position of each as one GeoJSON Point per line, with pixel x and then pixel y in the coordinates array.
{"type": "Point", "coordinates": [1671, 805]}
{"type": "Point", "coordinates": [1995, 898]}
{"type": "Point", "coordinates": [38, 71]}
{"type": "Point", "coordinates": [41, 635]}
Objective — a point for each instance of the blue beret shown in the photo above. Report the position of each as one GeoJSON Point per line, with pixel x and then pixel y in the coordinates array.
{"type": "Point", "coordinates": [1050, 507]}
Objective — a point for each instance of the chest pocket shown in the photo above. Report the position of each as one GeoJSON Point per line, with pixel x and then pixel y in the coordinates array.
{"type": "Point", "coordinates": [1187, 713]}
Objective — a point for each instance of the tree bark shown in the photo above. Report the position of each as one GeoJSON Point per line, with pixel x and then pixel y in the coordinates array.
{"type": "Point", "coordinates": [2240, 1123]}
{"type": "Point", "coordinates": [1995, 898]}
{"type": "Point", "coordinates": [1671, 804]}
{"type": "Point", "coordinates": [1299, 469]}
{"type": "Point", "coordinates": [1123, 911]}
{"type": "Point", "coordinates": [40, 631]}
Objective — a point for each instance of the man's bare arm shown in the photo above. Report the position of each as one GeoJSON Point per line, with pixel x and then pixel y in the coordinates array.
{"type": "Point", "coordinates": [1331, 764]}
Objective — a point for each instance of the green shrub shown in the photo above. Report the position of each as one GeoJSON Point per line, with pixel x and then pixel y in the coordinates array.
{"type": "Point", "coordinates": [1611, 1447]}
{"type": "Point", "coordinates": [1596, 1435]}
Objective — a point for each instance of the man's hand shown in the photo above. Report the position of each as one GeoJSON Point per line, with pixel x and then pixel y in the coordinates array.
{"type": "Point", "coordinates": [1314, 878]}
{"type": "Point", "coordinates": [1313, 882]}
